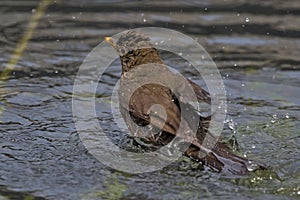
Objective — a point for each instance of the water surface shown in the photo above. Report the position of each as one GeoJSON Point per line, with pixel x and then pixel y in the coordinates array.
{"type": "Point", "coordinates": [255, 45]}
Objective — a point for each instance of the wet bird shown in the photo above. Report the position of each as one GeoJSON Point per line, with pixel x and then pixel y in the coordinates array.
{"type": "Point", "coordinates": [136, 50]}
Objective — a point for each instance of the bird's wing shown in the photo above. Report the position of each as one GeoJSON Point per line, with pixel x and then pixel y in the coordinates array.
{"type": "Point", "coordinates": [201, 94]}
{"type": "Point", "coordinates": [166, 116]}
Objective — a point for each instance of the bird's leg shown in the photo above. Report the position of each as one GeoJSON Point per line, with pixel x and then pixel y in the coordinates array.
{"type": "Point", "coordinates": [158, 136]}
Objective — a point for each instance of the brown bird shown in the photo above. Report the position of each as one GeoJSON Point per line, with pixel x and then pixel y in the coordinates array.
{"type": "Point", "coordinates": [136, 51]}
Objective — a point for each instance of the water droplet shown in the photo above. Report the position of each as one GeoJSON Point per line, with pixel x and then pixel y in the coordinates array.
{"type": "Point", "coordinates": [144, 20]}
{"type": "Point", "coordinates": [182, 26]}
{"type": "Point", "coordinates": [287, 116]}
{"type": "Point", "coordinates": [247, 20]}
{"type": "Point", "coordinates": [274, 118]}
{"type": "Point", "coordinates": [238, 14]}
{"type": "Point", "coordinates": [231, 125]}
{"type": "Point", "coordinates": [180, 54]}
{"type": "Point", "coordinates": [73, 17]}
{"type": "Point", "coordinates": [280, 189]}
{"type": "Point", "coordinates": [235, 64]}
{"type": "Point", "coordinates": [57, 40]}
{"type": "Point", "coordinates": [251, 167]}
{"type": "Point", "coordinates": [205, 8]}
{"type": "Point", "coordinates": [56, 72]}
{"type": "Point", "coordinates": [33, 10]}
{"type": "Point", "coordinates": [253, 146]}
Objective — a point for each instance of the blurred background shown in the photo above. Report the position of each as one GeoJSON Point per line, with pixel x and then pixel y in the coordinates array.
{"type": "Point", "coordinates": [255, 44]}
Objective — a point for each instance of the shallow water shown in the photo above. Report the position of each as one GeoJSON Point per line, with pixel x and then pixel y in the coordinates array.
{"type": "Point", "coordinates": [255, 45]}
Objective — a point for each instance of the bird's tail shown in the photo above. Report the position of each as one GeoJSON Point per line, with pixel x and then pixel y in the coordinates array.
{"type": "Point", "coordinates": [221, 159]}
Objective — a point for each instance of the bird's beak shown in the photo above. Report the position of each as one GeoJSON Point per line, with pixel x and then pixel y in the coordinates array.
{"type": "Point", "coordinates": [111, 41]}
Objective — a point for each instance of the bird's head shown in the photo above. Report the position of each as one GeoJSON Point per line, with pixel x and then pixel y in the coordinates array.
{"type": "Point", "coordinates": [134, 49]}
